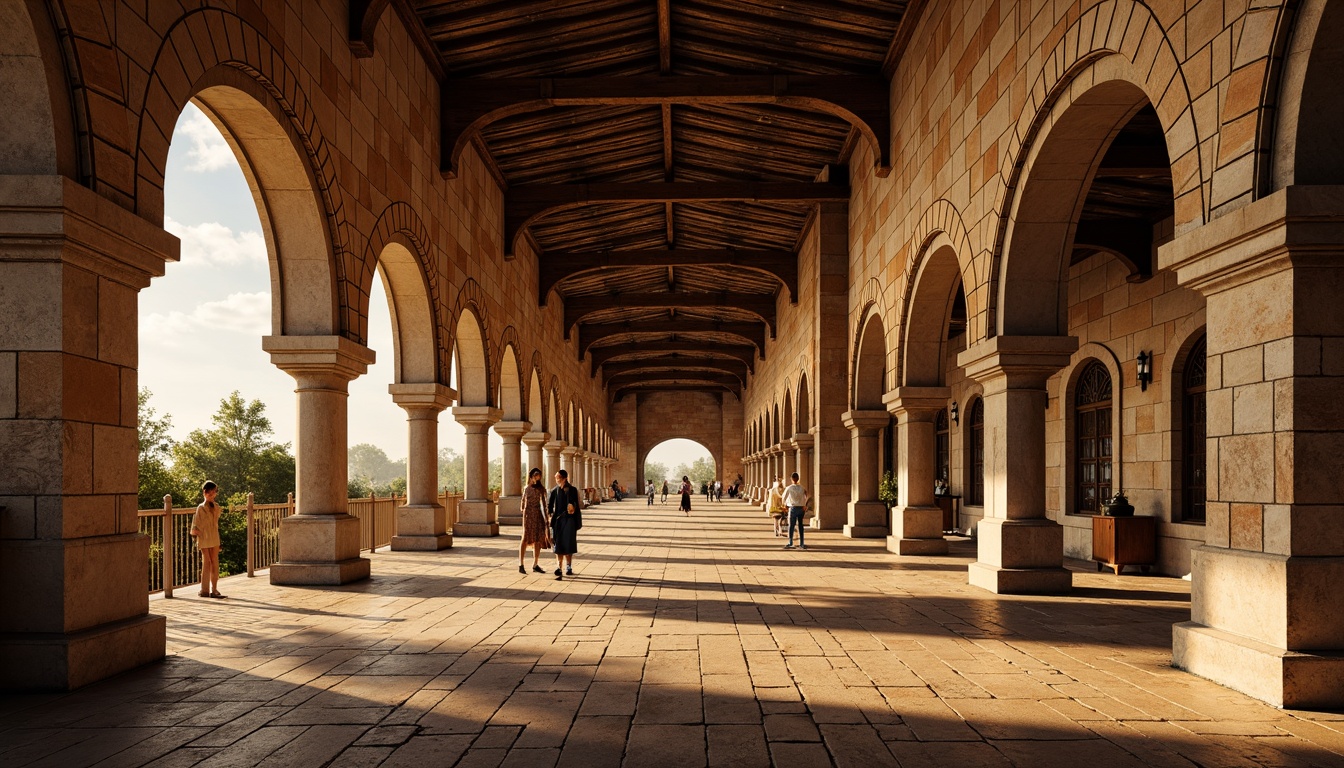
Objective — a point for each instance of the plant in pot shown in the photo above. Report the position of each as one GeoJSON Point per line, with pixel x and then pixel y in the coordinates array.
{"type": "Point", "coordinates": [887, 491]}
{"type": "Point", "coordinates": [1117, 506]}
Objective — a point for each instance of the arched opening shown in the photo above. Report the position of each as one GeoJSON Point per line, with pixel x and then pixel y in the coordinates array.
{"type": "Point", "coordinates": [1093, 448]}
{"type": "Point", "coordinates": [871, 436]}
{"type": "Point", "coordinates": [472, 374]}
{"type": "Point", "coordinates": [38, 138]}
{"type": "Point", "coordinates": [870, 366]}
{"type": "Point", "coordinates": [536, 414]}
{"type": "Point", "coordinates": [935, 314]}
{"type": "Point", "coordinates": [804, 412]}
{"type": "Point", "coordinates": [669, 460]}
{"type": "Point", "coordinates": [510, 386]}
{"type": "Point", "coordinates": [1312, 133]}
{"type": "Point", "coordinates": [790, 428]}
{"type": "Point", "coordinates": [414, 333]}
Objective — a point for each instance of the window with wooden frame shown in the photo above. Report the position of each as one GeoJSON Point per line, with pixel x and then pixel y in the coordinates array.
{"type": "Point", "coordinates": [975, 491]}
{"type": "Point", "coordinates": [1092, 413]}
{"type": "Point", "coordinates": [943, 448]}
{"type": "Point", "coordinates": [1193, 435]}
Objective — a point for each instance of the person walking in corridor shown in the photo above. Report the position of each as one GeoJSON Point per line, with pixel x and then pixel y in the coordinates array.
{"type": "Point", "coordinates": [566, 519]}
{"type": "Point", "coordinates": [686, 491]}
{"type": "Point", "coordinates": [664, 501]}
{"type": "Point", "coordinates": [795, 499]}
{"type": "Point", "coordinates": [648, 491]}
{"type": "Point", "coordinates": [774, 506]}
{"type": "Point", "coordinates": [535, 532]}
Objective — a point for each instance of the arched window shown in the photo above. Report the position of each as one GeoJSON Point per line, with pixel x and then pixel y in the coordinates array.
{"type": "Point", "coordinates": [1092, 441]}
{"type": "Point", "coordinates": [976, 487]}
{"type": "Point", "coordinates": [943, 448]}
{"type": "Point", "coordinates": [1193, 436]}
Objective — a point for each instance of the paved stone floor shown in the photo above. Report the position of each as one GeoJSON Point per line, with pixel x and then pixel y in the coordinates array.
{"type": "Point", "coordinates": [681, 642]}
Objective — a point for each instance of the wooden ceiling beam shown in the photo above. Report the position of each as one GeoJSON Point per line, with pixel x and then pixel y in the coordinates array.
{"type": "Point", "coordinates": [579, 307]}
{"type": "Point", "coordinates": [751, 332]}
{"type": "Point", "coordinates": [619, 393]}
{"type": "Point", "coordinates": [527, 203]}
{"type": "Point", "coordinates": [667, 363]}
{"type": "Point", "coordinates": [744, 352]}
{"type": "Point", "coordinates": [905, 30]}
{"type": "Point", "coordinates": [469, 105]}
{"type": "Point", "coordinates": [557, 266]}
{"type": "Point", "coordinates": [719, 379]}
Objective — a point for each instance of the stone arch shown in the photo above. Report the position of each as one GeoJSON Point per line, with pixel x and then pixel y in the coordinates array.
{"type": "Point", "coordinates": [399, 247]}
{"type": "Point", "coordinates": [1105, 67]}
{"type": "Point", "coordinates": [940, 226]}
{"type": "Point", "coordinates": [675, 482]}
{"type": "Point", "coordinates": [571, 429]}
{"type": "Point", "coordinates": [1086, 354]}
{"type": "Point", "coordinates": [254, 99]}
{"type": "Point", "coordinates": [926, 311]}
{"type": "Point", "coordinates": [536, 402]}
{"type": "Point", "coordinates": [786, 415]}
{"type": "Point", "coordinates": [804, 408]}
{"type": "Point", "coordinates": [555, 423]}
{"type": "Point", "coordinates": [870, 364]}
{"type": "Point", "coordinates": [1172, 382]}
{"type": "Point", "coordinates": [1307, 146]}
{"type": "Point", "coordinates": [472, 354]}
{"type": "Point", "coordinates": [511, 383]}
{"type": "Point", "coordinates": [37, 136]}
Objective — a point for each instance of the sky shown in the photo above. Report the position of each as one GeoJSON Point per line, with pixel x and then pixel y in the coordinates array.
{"type": "Point", "coordinates": [201, 324]}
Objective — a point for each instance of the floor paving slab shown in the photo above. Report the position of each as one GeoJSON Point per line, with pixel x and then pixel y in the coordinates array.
{"type": "Point", "coordinates": [680, 641]}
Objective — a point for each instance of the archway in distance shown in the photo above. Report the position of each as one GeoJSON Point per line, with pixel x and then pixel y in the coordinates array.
{"type": "Point", "coordinates": [670, 460]}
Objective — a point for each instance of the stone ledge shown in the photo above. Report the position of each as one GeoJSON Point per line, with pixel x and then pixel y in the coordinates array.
{"type": "Point", "coordinates": [64, 661]}
{"type": "Point", "coordinates": [1020, 581]}
{"type": "Point", "coordinates": [320, 574]}
{"type": "Point", "coordinates": [1283, 678]}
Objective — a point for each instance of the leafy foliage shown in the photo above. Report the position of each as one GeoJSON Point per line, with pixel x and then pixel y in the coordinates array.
{"type": "Point", "coordinates": [156, 447]}
{"type": "Point", "coordinates": [371, 471]}
{"type": "Point", "coordinates": [887, 490]}
{"type": "Point", "coordinates": [236, 453]}
{"type": "Point", "coordinates": [657, 472]}
{"type": "Point", "coordinates": [700, 471]}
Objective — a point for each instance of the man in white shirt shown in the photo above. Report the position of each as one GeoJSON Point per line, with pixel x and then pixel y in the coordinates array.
{"type": "Point", "coordinates": [795, 499]}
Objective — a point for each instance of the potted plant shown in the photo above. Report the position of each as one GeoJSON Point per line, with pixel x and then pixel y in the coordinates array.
{"type": "Point", "coordinates": [887, 491]}
{"type": "Point", "coordinates": [1117, 506]}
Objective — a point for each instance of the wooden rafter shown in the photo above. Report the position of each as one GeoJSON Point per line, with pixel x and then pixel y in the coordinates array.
{"type": "Point", "coordinates": [579, 307]}
{"type": "Point", "coordinates": [752, 332]}
{"type": "Point", "coordinates": [742, 353]}
{"type": "Point", "coordinates": [618, 393]}
{"type": "Point", "coordinates": [660, 366]}
{"type": "Point", "coordinates": [526, 203]}
{"type": "Point", "coordinates": [698, 377]}
{"type": "Point", "coordinates": [555, 267]}
{"type": "Point", "coordinates": [472, 104]}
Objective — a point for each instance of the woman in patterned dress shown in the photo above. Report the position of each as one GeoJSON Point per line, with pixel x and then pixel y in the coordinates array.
{"type": "Point", "coordinates": [536, 533]}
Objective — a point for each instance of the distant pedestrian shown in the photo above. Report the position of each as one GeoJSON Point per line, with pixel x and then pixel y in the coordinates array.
{"type": "Point", "coordinates": [718, 490]}
{"type": "Point", "coordinates": [535, 533]}
{"type": "Point", "coordinates": [566, 520]}
{"type": "Point", "coordinates": [795, 498]}
{"type": "Point", "coordinates": [686, 491]}
{"type": "Point", "coordinates": [774, 505]}
{"type": "Point", "coordinates": [648, 491]}
{"type": "Point", "coordinates": [205, 527]}
{"type": "Point", "coordinates": [664, 501]}
{"type": "Point", "coordinates": [706, 489]}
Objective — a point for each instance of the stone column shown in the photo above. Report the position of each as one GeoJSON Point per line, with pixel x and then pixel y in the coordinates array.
{"type": "Point", "coordinates": [1021, 551]}
{"type": "Point", "coordinates": [422, 523]}
{"type": "Point", "coordinates": [569, 460]}
{"type": "Point", "coordinates": [554, 449]}
{"type": "Point", "coordinates": [828, 380]}
{"type": "Point", "coordinates": [319, 544]}
{"type": "Point", "coordinates": [476, 513]}
{"type": "Point", "coordinates": [536, 443]}
{"type": "Point", "coordinates": [916, 523]}
{"type": "Point", "coordinates": [511, 485]}
{"type": "Point", "coordinates": [868, 517]}
{"type": "Point", "coordinates": [802, 446]}
{"type": "Point", "coordinates": [1265, 587]}
{"type": "Point", "coordinates": [787, 457]}
{"type": "Point", "coordinates": [73, 563]}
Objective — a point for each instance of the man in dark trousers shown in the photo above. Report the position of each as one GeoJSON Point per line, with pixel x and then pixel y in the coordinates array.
{"type": "Point", "coordinates": [566, 518]}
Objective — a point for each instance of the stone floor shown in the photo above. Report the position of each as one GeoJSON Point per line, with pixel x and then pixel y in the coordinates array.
{"type": "Point", "coordinates": [681, 642]}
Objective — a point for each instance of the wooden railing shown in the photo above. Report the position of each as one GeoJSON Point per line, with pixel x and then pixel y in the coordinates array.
{"type": "Point", "coordinates": [174, 560]}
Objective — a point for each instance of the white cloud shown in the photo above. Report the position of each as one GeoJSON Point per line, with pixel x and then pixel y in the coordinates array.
{"type": "Point", "coordinates": [208, 151]}
{"type": "Point", "coordinates": [248, 314]}
{"type": "Point", "coordinates": [214, 244]}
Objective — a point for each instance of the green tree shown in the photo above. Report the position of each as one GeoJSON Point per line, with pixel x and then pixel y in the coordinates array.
{"type": "Point", "coordinates": [371, 463]}
{"type": "Point", "coordinates": [237, 453]}
{"type": "Point", "coordinates": [657, 472]}
{"type": "Point", "coordinates": [157, 478]}
{"type": "Point", "coordinates": [700, 471]}
{"type": "Point", "coordinates": [452, 469]}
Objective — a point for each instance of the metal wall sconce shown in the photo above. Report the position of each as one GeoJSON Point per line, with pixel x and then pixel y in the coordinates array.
{"type": "Point", "coordinates": [1145, 370]}
{"type": "Point", "coordinates": [956, 418]}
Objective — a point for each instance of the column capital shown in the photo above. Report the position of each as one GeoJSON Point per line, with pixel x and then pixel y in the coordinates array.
{"type": "Point", "coordinates": [430, 396]}
{"type": "Point", "coordinates": [1295, 226]}
{"type": "Point", "coordinates": [556, 445]}
{"type": "Point", "coordinates": [536, 439]}
{"type": "Point", "coordinates": [917, 403]}
{"type": "Point", "coordinates": [1017, 362]}
{"type": "Point", "coordinates": [802, 440]}
{"type": "Point", "coordinates": [476, 415]}
{"type": "Point", "coordinates": [571, 451]}
{"type": "Point", "coordinates": [865, 420]}
{"type": "Point", "coordinates": [323, 356]}
{"type": "Point", "coordinates": [512, 430]}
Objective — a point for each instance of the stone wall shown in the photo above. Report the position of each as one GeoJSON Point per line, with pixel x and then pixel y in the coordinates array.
{"type": "Point", "coordinates": [641, 421]}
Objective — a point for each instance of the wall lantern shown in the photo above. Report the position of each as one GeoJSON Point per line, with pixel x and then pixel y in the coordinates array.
{"type": "Point", "coordinates": [1145, 370]}
{"type": "Point", "coordinates": [956, 418]}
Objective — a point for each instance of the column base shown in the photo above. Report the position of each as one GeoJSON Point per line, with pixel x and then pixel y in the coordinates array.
{"type": "Point", "coordinates": [319, 550]}
{"type": "Point", "coordinates": [509, 514]}
{"type": "Point", "coordinates": [868, 520]}
{"type": "Point", "coordinates": [422, 543]}
{"type": "Point", "coordinates": [1289, 679]}
{"type": "Point", "coordinates": [64, 661]}
{"type": "Point", "coordinates": [476, 518]}
{"type": "Point", "coordinates": [1020, 581]}
{"type": "Point", "coordinates": [917, 531]}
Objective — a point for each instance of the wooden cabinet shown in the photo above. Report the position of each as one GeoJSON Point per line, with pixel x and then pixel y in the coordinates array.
{"type": "Point", "coordinates": [1121, 541]}
{"type": "Point", "coordinates": [950, 506]}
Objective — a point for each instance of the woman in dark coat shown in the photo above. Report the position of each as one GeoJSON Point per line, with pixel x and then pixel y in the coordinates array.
{"type": "Point", "coordinates": [566, 520]}
{"type": "Point", "coordinates": [686, 495]}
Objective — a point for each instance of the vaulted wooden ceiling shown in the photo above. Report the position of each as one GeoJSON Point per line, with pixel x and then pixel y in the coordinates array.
{"type": "Point", "coordinates": [662, 157]}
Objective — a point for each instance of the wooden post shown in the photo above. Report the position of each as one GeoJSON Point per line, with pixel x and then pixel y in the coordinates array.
{"type": "Point", "coordinates": [373, 522]}
{"type": "Point", "coordinates": [168, 531]}
{"type": "Point", "coordinates": [251, 536]}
